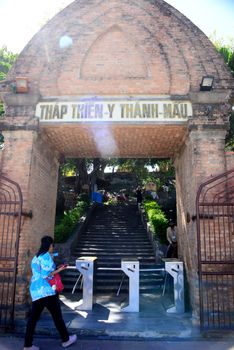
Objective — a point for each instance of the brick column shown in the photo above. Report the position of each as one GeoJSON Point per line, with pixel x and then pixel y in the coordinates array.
{"type": "Point", "coordinates": [202, 157]}
{"type": "Point", "coordinates": [30, 160]}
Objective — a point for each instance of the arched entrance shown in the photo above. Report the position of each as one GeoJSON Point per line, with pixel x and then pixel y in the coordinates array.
{"type": "Point", "coordinates": [125, 83]}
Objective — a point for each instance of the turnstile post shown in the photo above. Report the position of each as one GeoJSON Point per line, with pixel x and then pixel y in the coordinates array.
{"type": "Point", "coordinates": [86, 266]}
{"type": "Point", "coordinates": [176, 269]}
{"type": "Point", "coordinates": [131, 268]}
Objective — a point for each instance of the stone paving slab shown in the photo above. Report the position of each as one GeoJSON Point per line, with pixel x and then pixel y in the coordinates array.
{"type": "Point", "coordinates": [107, 320]}
{"type": "Point", "coordinates": [106, 327]}
{"type": "Point", "coordinates": [14, 343]}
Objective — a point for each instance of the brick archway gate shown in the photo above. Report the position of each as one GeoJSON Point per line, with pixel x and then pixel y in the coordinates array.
{"type": "Point", "coordinates": [215, 230]}
{"type": "Point", "coordinates": [126, 84]}
{"type": "Point", "coordinates": [10, 219]}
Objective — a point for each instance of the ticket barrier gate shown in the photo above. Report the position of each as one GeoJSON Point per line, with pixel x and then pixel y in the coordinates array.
{"type": "Point", "coordinates": [176, 269]}
{"type": "Point", "coordinates": [86, 266]}
{"type": "Point", "coordinates": [131, 268]}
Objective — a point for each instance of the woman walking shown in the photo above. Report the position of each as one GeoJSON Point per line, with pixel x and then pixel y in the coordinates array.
{"type": "Point", "coordinates": [43, 295]}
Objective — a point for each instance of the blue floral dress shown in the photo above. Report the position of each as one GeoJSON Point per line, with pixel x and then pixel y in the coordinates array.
{"type": "Point", "coordinates": [41, 267]}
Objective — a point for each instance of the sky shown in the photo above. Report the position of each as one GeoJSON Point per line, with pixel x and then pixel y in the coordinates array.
{"type": "Point", "coordinates": [21, 19]}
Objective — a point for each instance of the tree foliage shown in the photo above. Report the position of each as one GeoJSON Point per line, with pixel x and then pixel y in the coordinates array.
{"type": "Point", "coordinates": [227, 51]}
{"type": "Point", "coordinates": [228, 55]}
{"type": "Point", "coordinates": [7, 58]}
{"type": "Point", "coordinates": [88, 171]}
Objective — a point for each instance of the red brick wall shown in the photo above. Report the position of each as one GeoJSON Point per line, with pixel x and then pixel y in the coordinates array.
{"type": "Point", "coordinates": [229, 160]}
{"type": "Point", "coordinates": [29, 160]}
{"type": "Point", "coordinates": [201, 158]}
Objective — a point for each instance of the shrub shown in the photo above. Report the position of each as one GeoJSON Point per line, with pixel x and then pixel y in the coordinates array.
{"type": "Point", "coordinates": [83, 197]}
{"type": "Point", "coordinates": [82, 205]}
{"type": "Point", "coordinates": [148, 197]}
{"type": "Point", "coordinates": [61, 232]}
{"type": "Point", "coordinates": [69, 221]}
{"type": "Point", "coordinates": [157, 220]}
{"type": "Point", "coordinates": [150, 205]}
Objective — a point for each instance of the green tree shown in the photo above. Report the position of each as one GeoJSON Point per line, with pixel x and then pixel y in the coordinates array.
{"type": "Point", "coordinates": [86, 171]}
{"type": "Point", "coordinates": [227, 51]}
{"type": "Point", "coordinates": [7, 58]}
{"type": "Point", "coordinates": [226, 48]}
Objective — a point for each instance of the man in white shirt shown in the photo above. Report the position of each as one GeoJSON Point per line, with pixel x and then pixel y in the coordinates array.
{"type": "Point", "coordinates": [172, 239]}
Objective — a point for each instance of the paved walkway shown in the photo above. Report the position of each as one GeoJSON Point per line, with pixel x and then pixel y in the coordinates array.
{"type": "Point", "coordinates": [10, 343]}
{"type": "Point", "coordinates": [107, 320]}
{"type": "Point", "coordinates": [107, 328]}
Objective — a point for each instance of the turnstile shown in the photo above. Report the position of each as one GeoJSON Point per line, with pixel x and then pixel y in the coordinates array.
{"type": "Point", "coordinates": [131, 268]}
{"type": "Point", "coordinates": [86, 266]}
{"type": "Point", "coordinates": [176, 269]}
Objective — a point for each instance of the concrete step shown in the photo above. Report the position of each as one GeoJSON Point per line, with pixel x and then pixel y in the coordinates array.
{"type": "Point", "coordinates": [120, 241]}
{"type": "Point", "coordinates": [114, 250]}
{"type": "Point", "coordinates": [114, 273]}
{"type": "Point", "coordinates": [102, 253]}
{"type": "Point", "coordinates": [115, 233]}
{"type": "Point", "coordinates": [106, 261]}
{"type": "Point", "coordinates": [114, 289]}
{"type": "Point", "coordinates": [115, 281]}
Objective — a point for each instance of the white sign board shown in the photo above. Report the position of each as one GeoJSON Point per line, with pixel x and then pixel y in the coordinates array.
{"type": "Point", "coordinates": [114, 111]}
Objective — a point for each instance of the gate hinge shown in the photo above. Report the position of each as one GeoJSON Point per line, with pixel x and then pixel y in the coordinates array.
{"type": "Point", "coordinates": [28, 214]}
{"type": "Point", "coordinates": [203, 216]}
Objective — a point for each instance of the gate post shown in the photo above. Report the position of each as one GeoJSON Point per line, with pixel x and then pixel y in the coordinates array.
{"type": "Point", "coordinates": [10, 219]}
{"type": "Point", "coordinates": [29, 160]}
{"type": "Point", "coordinates": [202, 157]}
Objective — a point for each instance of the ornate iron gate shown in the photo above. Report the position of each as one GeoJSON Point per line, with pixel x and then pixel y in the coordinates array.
{"type": "Point", "coordinates": [10, 218]}
{"type": "Point", "coordinates": [215, 228]}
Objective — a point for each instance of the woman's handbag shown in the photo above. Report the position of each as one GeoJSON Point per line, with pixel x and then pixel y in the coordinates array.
{"type": "Point", "coordinates": [56, 283]}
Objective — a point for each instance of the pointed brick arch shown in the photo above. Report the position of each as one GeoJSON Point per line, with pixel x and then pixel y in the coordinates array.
{"type": "Point", "coordinates": [174, 53]}
{"type": "Point", "coordinates": [104, 59]}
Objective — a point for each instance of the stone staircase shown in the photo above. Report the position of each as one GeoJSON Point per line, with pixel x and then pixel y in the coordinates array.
{"type": "Point", "coordinates": [115, 232]}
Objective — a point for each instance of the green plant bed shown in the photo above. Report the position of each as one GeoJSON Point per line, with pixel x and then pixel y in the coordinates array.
{"type": "Point", "coordinates": [69, 221]}
{"type": "Point", "coordinates": [150, 204]}
{"type": "Point", "coordinates": [157, 220]}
